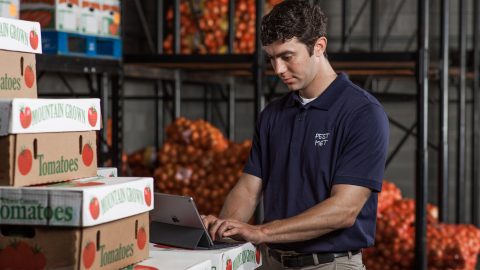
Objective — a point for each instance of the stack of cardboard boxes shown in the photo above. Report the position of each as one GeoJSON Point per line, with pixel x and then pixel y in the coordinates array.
{"type": "Point", "coordinates": [48, 220]}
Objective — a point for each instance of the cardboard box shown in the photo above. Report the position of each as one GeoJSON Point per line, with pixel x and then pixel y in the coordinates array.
{"type": "Point", "coordinates": [32, 159]}
{"type": "Point", "coordinates": [9, 8]}
{"type": "Point", "coordinates": [164, 260]}
{"type": "Point", "coordinates": [79, 203]}
{"type": "Point", "coordinates": [18, 116]}
{"type": "Point", "coordinates": [90, 17]}
{"type": "Point", "coordinates": [108, 246]}
{"type": "Point", "coordinates": [242, 257]}
{"type": "Point", "coordinates": [107, 172]}
{"type": "Point", "coordinates": [17, 79]}
{"type": "Point", "coordinates": [20, 36]}
{"type": "Point", "coordinates": [110, 18]}
{"type": "Point", "coordinates": [58, 15]}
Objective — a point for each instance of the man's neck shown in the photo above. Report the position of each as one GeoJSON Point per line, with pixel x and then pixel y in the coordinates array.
{"type": "Point", "coordinates": [320, 83]}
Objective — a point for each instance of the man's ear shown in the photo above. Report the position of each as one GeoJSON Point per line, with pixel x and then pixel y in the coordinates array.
{"type": "Point", "coordinates": [320, 46]}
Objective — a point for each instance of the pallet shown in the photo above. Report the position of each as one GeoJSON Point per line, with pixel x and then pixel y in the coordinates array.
{"type": "Point", "coordinates": [63, 43]}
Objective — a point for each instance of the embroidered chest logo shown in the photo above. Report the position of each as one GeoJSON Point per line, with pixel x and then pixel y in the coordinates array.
{"type": "Point", "coordinates": [321, 139]}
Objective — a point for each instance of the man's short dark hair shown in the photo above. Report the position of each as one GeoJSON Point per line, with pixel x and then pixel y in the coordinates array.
{"type": "Point", "coordinates": [294, 18]}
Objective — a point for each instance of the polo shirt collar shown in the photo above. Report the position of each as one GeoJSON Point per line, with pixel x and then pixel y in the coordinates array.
{"type": "Point", "coordinates": [326, 99]}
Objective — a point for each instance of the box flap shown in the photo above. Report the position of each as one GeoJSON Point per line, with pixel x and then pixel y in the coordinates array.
{"type": "Point", "coordinates": [50, 115]}
{"type": "Point", "coordinates": [21, 36]}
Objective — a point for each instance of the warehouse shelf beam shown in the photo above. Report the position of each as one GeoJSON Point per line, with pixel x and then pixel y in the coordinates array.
{"type": "Point", "coordinates": [144, 23]}
{"type": "Point", "coordinates": [231, 26]}
{"type": "Point", "coordinates": [421, 191]}
{"type": "Point", "coordinates": [476, 118]}
{"type": "Point", "coordinates": [374, 26]}
{"type": "Point", "coordinates": [461, 143]}
{"type": "Point", "coordinates": [346, 5]}
{"type": "Point", "coordinates": [443, 189]}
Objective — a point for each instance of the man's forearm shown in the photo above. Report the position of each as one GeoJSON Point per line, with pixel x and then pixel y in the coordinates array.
{"type": "Point", "coordinates": [238, 206]}
{"type": "Point", "coordinates": [242, 200]}
{"type": "Point", "coordinates": [316, 221]}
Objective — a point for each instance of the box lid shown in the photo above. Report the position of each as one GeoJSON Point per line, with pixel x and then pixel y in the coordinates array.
{"type": "Point", "coordinates": [26, 115]}
{"type": "Point", "coordinates": [241, 257]}
{"type": "Point", "coordinates": [82, 202]}
{"type": "Point", "coordinates": [20, 36]}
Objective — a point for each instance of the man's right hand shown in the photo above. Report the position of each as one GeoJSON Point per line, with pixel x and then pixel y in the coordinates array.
{"type": "Point", "coordinates": [212, 223]}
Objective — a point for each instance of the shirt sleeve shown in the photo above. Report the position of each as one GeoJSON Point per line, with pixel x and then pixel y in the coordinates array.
{"type": "Point", "coordinates": [363, 155]}
{"type": "Point", "coordinates": [254, 162]}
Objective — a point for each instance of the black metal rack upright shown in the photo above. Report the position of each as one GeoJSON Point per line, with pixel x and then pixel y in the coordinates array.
{"type": "Point", "coordinates": [414, 63]}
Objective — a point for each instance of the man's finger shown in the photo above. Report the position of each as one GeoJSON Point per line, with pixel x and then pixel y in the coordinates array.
{"type": "Point", "coordinates": [225, 226]}
{"type": "Point", "coordinates": [215, 225]}
{"type": "Point", "coordinates": [230, 232]}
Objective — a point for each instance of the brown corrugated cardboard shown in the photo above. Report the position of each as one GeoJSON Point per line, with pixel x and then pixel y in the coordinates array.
{"type": "Point", "coordinates": [18, 76]}
{"type": "Point", "coordinates": [31, 159]}
{"type": "Point", "coordinates": [110, 245]}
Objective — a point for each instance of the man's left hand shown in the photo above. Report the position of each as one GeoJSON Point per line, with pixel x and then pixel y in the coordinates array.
{"type": "Point", "coordinates": [242, 231]}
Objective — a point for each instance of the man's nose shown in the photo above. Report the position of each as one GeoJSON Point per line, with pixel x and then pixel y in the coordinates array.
{"type": "Point", "coordinates": [279, 67]}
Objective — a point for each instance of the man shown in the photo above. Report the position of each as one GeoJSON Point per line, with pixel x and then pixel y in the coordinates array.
{"type": "Point", "coordinates": [318, 155]}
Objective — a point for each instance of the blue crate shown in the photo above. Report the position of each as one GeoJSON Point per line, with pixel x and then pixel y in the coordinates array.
{"type": "Point", "coordinates": [63, 43]}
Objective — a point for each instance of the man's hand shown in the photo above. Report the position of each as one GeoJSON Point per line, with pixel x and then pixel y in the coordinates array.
{"type": "Point", "coordinates": [242, 231]}
{"type": "Point", "coordinates": [210, 222]}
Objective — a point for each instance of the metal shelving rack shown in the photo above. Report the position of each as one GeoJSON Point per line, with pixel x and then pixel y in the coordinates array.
{"type": "Point", "coordinates": [369, 65]}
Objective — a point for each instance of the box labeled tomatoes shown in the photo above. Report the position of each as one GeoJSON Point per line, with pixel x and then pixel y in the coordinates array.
{"type": "Point", "coordinates": [48, 115]}
{"type": "Point", "coordinates": [112, 245]}
{"type": "Point", "coordinates": [78, 203]}
{"type": "Point", "coordinates": [58, 15]}
{"type": "Point", "coordinates": [18, 77]}
{"type": "Point", "coordinates": [20, 36]}
{"type": "Point", "coordinates": [32, 159]}
{"type": "Point", "coordinates": [242, 257]}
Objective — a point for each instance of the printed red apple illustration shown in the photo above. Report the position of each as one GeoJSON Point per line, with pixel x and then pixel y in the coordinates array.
{"type": "Point", "coordinates": [141, 238]}
{"type": "Point", "coordinates": [29, 76]}
{"type": "Point", "coordinates": [94, 208]}
{"type": "Point", "coordinates": [229, 265]}
{"type": "Point", "coordinates": [258, 255]}
{"type": "Point", "coordinates": [25, 161]}
{"type": "Point", "coordinates": [87, 154]}
{"type": "Point", "coordinates": [33, 39]}
{"type": "Point", "coordinates": [88, 255]}
{"type": "Point", "coordinates": [92, 116]}
{"type": "Point", "coordinates": [147, 192]}
{"type": "Point", "coordinates": [25, 117]}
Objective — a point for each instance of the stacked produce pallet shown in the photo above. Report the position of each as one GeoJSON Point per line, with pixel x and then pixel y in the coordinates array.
{"type": "Point", "coordinates": [204, 26]}
{"type": "Point", "coordinates": [77, 27]}
{"type": "Point", "coordinates": [449, 246]}
{"type": "Point", "coordinates": [55, 212]}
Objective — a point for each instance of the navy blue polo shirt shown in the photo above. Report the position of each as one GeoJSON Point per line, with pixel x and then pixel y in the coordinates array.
{"type": "Point", "coordinates": [301, 151]}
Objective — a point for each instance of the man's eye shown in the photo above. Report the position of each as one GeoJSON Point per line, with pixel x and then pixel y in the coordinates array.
{"type": "Point", "coordinates": [287, 57]}
{"type": "Point", "coordinates": [268, 59]}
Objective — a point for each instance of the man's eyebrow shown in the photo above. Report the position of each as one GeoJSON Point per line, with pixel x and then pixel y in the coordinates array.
{"type": "Point", "coordinates": [279, 55]}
